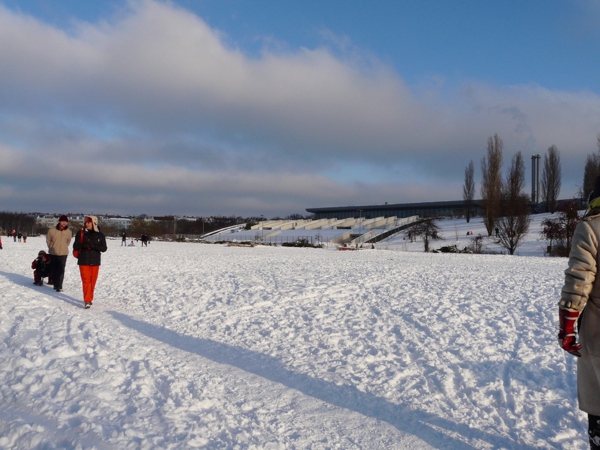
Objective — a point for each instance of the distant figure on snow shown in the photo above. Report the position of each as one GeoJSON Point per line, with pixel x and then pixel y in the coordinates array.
{"type": "Point", "coordinates": [123, 239]}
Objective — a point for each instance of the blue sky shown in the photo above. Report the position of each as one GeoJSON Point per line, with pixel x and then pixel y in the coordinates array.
{"type": "Point", "coordinates": [271, 107]}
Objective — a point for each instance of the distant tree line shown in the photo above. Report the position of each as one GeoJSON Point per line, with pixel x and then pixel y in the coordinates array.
{"type": "Point", "coordinates": [161, 226]}
{"type": "Point", "coordinates": [20, 222]}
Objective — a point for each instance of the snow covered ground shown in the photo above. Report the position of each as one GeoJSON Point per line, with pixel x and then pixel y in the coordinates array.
{"type": "Point", "coordinates": [208, 346]}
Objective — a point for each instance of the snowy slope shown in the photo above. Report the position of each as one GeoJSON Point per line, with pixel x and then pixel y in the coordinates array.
{"type": "Point", "coordinates": [207, 346]}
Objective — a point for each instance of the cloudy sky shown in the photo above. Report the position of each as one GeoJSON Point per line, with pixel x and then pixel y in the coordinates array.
{"type": "Point", "coordinates": [264, 107]}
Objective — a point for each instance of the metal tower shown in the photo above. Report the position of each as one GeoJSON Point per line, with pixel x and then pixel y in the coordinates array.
{"type": "Point", "coordinates": [535, 178]}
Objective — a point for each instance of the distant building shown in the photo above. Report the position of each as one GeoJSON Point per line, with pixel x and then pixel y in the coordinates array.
{"type": "Point", "coordinates": [428, 209]}
{"type": "Point", "coordinates": [117, 222]}
{"type": "Point", "coordinates": [47, 220]}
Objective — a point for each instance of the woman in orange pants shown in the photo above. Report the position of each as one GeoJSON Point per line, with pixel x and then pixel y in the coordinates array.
{"type": "Point", "coordinates": [87, 246]}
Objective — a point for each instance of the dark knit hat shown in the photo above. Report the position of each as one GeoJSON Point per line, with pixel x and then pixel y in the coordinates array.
{"type": "Point", "coordinates": [63, 217]}
{"type": "Point", "coordinates": [596, 192]}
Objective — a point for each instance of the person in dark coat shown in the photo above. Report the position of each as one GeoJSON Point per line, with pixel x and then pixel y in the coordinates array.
{"type": "Point", "coordinates": [41, 268]}
{"type": "Point", "coordinates": [123, 239]}
{"type": "Point", "coordinates": [89, 243]}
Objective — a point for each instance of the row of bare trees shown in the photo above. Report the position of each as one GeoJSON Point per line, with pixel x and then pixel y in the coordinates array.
{"type": "Point", "coordinates": [20, 222]}
{"type": "Point", "coordinates": [505, 205]}
{"type": "Point", "coordinates": [491, 188]}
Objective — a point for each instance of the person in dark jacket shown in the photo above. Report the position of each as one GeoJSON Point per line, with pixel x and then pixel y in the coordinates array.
{"type": "Point", "coordinates": [41, 268]}
{"type": "Point", "coordinates": [90, 243]}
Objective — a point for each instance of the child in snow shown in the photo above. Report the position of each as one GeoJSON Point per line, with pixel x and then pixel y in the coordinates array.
{"type": "Point", "coordinates": [41, 267]}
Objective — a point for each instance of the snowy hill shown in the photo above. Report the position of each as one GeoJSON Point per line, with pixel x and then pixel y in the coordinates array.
{"type": "Point", "coordinates": [454, 232]}
{"type": "Point", "coordinates": [208, 346]}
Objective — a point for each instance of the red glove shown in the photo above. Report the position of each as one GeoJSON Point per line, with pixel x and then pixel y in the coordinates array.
{"type": "Point", "coordinates": [567, 336]}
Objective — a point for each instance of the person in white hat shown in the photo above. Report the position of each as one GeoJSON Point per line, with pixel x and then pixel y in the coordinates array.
{"type": "Point", "coordinates": [89, 244]}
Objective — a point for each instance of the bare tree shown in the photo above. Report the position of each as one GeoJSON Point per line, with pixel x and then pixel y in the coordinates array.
{"type": "Point", "coordinates": [591, 171]}
{"type": "Point", "coordinates": [427, 229]}
{"type": "Point", "coordinates": [469, 189]}
{"type": "Point", "coordinates": [551, 179]}
{"type": "Point", "coordinates": [515, 218]}
{"type": "Point", "coordinates": [559, 231]}
{"type": "Point", "coordinates": [491, 184]}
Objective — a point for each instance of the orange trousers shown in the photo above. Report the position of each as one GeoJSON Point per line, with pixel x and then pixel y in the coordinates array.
{"type": "Point", "coordinates": [89, 275]}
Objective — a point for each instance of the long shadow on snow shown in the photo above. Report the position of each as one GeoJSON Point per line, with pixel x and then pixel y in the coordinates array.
{"type": "Point", "coordinates": [424, 425]}
{"type": "Point", "coordinates": [45, 289]}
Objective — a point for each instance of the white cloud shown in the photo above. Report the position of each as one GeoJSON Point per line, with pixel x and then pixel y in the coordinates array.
{"type": "Point", "coordinates": [154, 106]}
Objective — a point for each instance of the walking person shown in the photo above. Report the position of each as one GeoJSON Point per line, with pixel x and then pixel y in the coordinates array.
{"type": "Point", "coordinates": [89, 244]}
{"type": "Point", "coordinates": [58, 240]}
{"type": "Point", "coordinates": [579, 313]}
{"type": "Point", "coordinates": [123, 239]}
